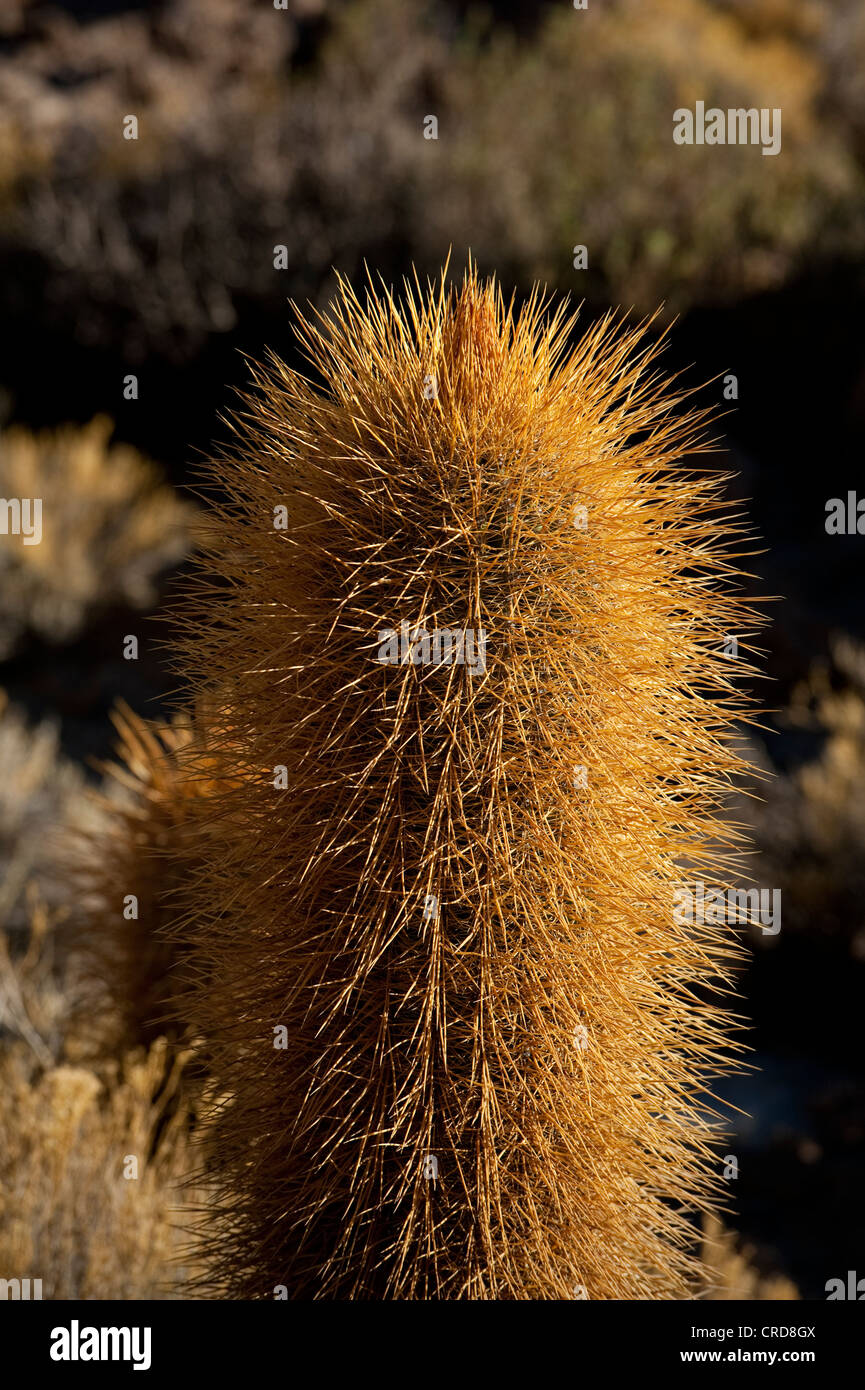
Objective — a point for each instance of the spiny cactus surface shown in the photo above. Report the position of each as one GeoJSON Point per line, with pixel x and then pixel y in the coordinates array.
{"type": "Point", "coordinates": [466, 606]}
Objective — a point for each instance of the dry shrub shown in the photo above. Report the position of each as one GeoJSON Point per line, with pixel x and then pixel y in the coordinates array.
{"type": "Point", "coordinates": [33, 1000]}
{"type": "Point", "coordinates": [843, 53]}
{"type": "Point", "coordinates": [68, 1215]}
{"type": "Point", "coordinates": [598, 92]}
{"type": "Point", "coordinates": [834, 33]}
{"type": "Point", "coordinates": [40, 791]}
{"type": "Point", "coordinates": [564, 139]}
{"type": "Point", "coordinates": [75, 1101]}
{"type": "Point", "coordinates": [729, 1272]}
{"type": "Point", "coordinates": [416, 938]}
{"type": "Point", "coordinates": [152, 237]}
{"type": "Point", "coordinates": [801, 20]}
{"type": "Point", "coordinates": [110, 526]}
{"type": "Point", "coordinates": [811, 828]}
{"type": "Point", "coordinates": [71, 1213]}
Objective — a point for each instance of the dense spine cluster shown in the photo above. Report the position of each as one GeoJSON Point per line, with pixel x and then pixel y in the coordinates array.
{"type": "Point", "coordinates": [458, 1039]}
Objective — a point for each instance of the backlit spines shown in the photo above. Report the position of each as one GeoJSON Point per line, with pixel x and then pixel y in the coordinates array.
{"type": "Point", "coordinates": [454, 1024]}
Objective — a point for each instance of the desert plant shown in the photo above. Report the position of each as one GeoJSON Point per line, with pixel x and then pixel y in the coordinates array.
{"type": "Point", "coordinates": [122, 881]}
{"type": "Point", "coordinates": [41, 792]}
{"type": "Point", "coordinates": [809, 827]}
{"type": "Point", "coordinates": [74, 1212]}
{"type": "Point", "coordinates": [730, 1272]}
{"type": "Point", "coordinates": [156, 243]}
{"type": "Point", "coordinates": [110, 524]}
{"type": "Point", "coordinates": [94, 1154]}
{"type": "Point", "coordinates": [452, 1017]}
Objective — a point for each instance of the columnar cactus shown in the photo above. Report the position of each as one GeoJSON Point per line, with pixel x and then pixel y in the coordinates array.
{"type": "Point", "coordinates": [470, 608]}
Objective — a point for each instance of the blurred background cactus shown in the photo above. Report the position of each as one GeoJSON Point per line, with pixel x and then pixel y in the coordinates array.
{"type": "Point", "coordinates": [125, 859]}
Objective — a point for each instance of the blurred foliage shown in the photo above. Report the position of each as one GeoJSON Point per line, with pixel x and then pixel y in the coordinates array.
{"type": "Point", "coordinates": [39, 792]}
{"type": "Point", "coordinates": [810, 829]}
{"type": "Point", "coordinates": [571, 142]}
{"type": "Point", "coordinates": [68, 1214]}
{"type": "Point", "coordinates": [71, 1114]}
{"type": "Point", "coordinates": [560, 139]}
{"type": "Point", "coordinates": [110, 526]}
{"type": "Point", "coordinates": [730, 1271]}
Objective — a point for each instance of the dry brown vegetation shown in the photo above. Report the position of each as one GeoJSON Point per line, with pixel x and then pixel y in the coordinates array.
{"type": "Point", "coordinates": [110, 526]}
{"type": "Point", "coordinates": [39, 792]}
{"type": "Point", "coordinates": [240, 151]}
{"type": "Point", "coordinates": [76, 1104]}
{"type": "Point", "coordinates": [810, 825]}
{"type": "Point", "coordinates": [729, 1272]}
{"type": "Point", "coordinates": [73, 1211]}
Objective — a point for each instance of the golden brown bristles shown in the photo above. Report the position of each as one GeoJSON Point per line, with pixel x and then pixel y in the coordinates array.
{"type": "Point", "coordinates": [460, 1037]}
{"type": "Point", "coordinates": [127, 862]}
